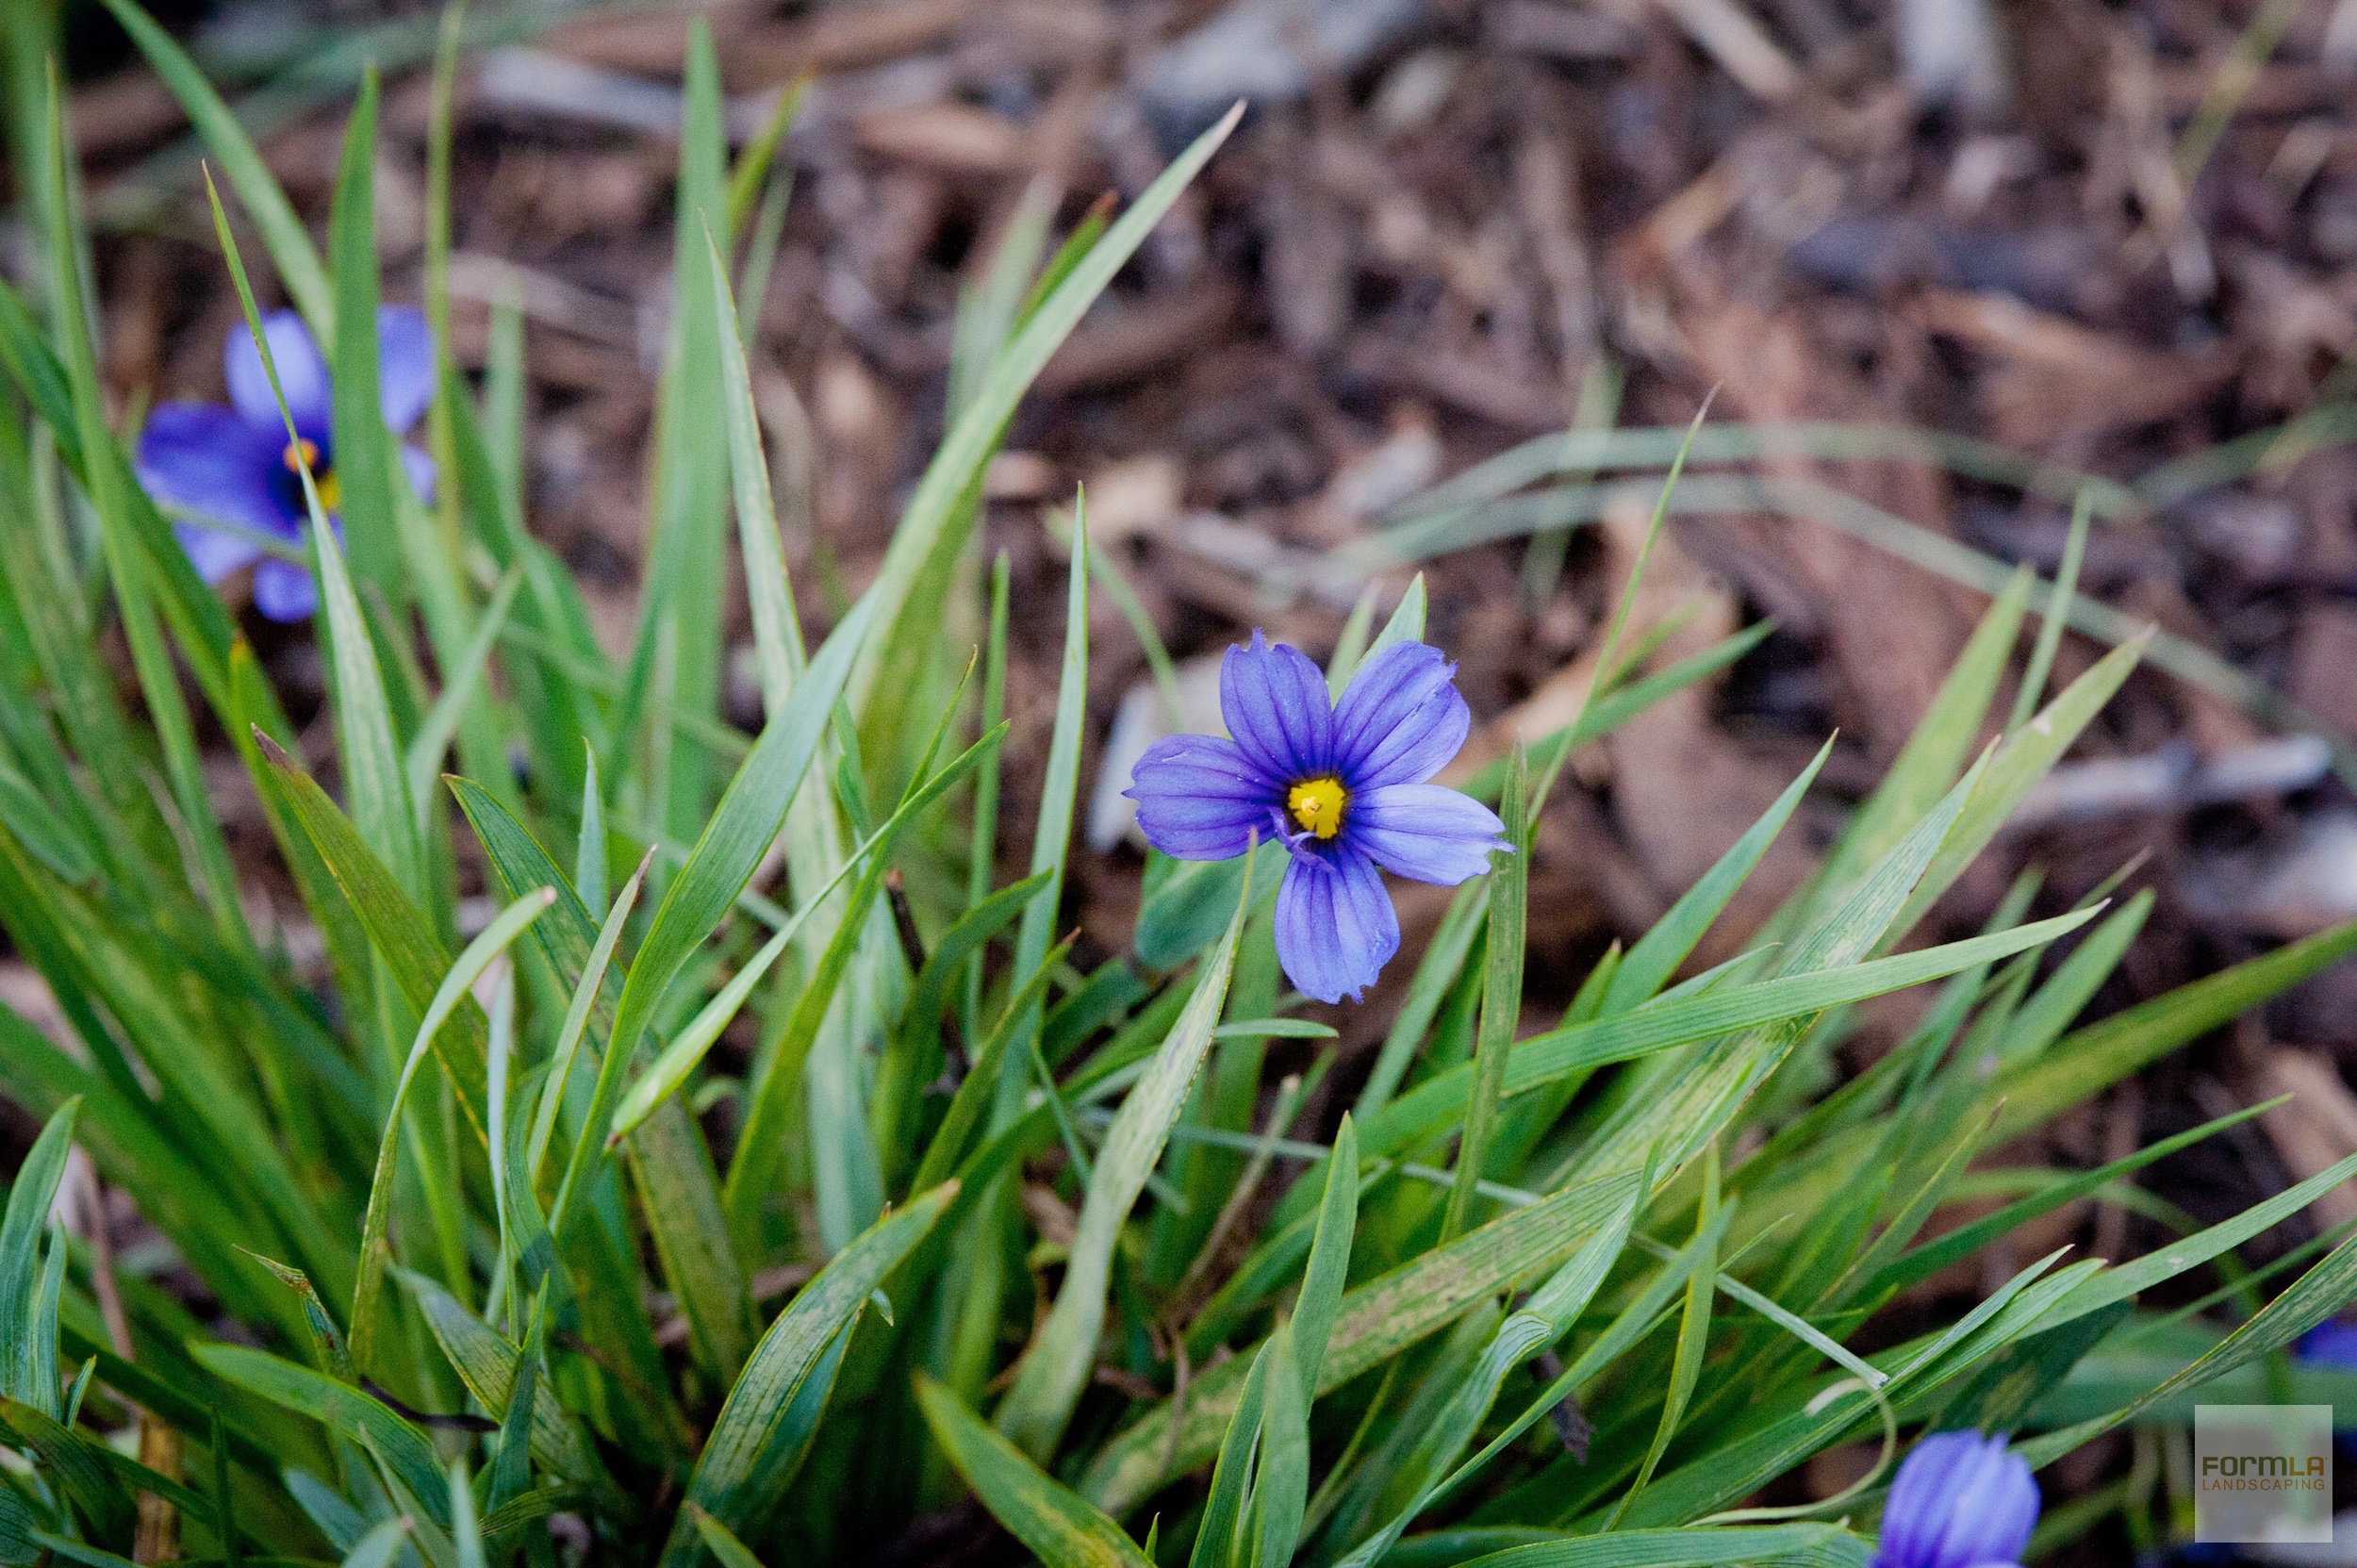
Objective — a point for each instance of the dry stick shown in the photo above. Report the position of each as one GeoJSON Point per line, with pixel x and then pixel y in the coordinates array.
{"type": "Point", "coordinates": [157, 1538]}
{"type": "Point", "coordinates": [1280, 1117]}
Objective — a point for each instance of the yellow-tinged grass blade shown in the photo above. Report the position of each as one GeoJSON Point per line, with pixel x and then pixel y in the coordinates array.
{"type": "Point", "coordinates": [1374, 1323]}
{"type": "Point", "coordinates": [740, 1475]}
{"type": "Point", "coordinates": [1057, 1523]}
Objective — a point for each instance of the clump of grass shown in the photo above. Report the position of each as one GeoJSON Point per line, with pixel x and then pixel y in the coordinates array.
{"type": "Point", "coordinates": [496, 1262]}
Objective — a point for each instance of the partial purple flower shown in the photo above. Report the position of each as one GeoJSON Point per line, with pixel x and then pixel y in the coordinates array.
{"type": "Point", "coordinates": [1960, 1501]}
{"type": "Point", "coordinates": [1340, 785]}
{"type": "Point", "coordinates": [2332, 1343]}
{"type": "Point", "coordinates": [235, 465]}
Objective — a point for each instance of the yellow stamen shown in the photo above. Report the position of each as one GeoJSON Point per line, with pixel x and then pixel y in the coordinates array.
{"type": "Point", "coordinates": [1317, 806]}
{"type": "Point", "coordinates": [304, 453]}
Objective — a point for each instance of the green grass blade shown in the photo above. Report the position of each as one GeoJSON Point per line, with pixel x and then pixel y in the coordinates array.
{"type": "Point", "coordinates": [722, 862]}
{"type": "Point", "coordinates": [987, 313]}
{"type": "Point", "coordinates": [1955, 1245]}
{"type": "Point", "coordinates": [910, 1056]}
{"type": "Point", "coordinates": [735, 1482]}
{"type": "Point", "coordinates": [1215, 1535]}
{"type": "Point", "coordinates": [1609, 662]}
{"type": "Point", "coordinates": [731, 1552]}
{"type": "Point", "coordinates": [2317, 1295]}
{"type": "Point", "coordinates": [376, 1249]}
{"type": "Point", "coordinates": [327, 1342]}
{"type": "Point", "coordinates": [1624, 702]}
{"type": "Point", "coordinates": [413, 955]}
{"type": "Point", "coordinates": [1648, 965]}
{"type": "Point", "coordinates": [1436, 974]}
{"type": "Point", "coordinates": [676, 659]}
{"type": "Point", "coordinates": [1057, 1525]}
{"type": "Point", "coordinates": [1051, 835]}
{"type": "Point", "coordinates": [488, 1362]}
{"type": "Point", "coordinates": [1280, 1481]}
{"type": "Point", "coordinates": [424, 758]}
{"type": "Point", "coordinates": [30, 1197]}
{"type": "Point", "coordinates": [2041, 1019]}
{"type": "Point", "coordinates": [1501, 998]}
{"type": "Point", "coordinates": [873, 858]}
{"type": "Point", "coordinates": [1927, 766]}
{"type": "Point", "coordinates": [2088, 1060]}
{"type": "Point", "coordinates": [750, 171]}
{"type": "Point", "coordinates": [857, 1178]}
{"type": "Point", "coordinates": [1350, 645]}
{"type": "Point", "coordinates": [777, 633]}
{"type": "Point", "coordinates": [1672, 1022]}
{"type": "Point", "coordinates": [1654, 447]}
{"type": "Point", "coordinates": [1320, 1295]}
{"type": "Point", "coordinates": [1686, 1367]}
{"type": "Point", "coordinates": [576, 1025]}
{"type": "Point", "coordinates": [73, 1461]}
{"type": "Point", "coordinates": [1786, 1545]}
{"type": "Point", "coordinates": [982, 856]}
{"type": "Point", "coordinates": [1407, 621]}
{"type": "Point", "coordinates": [2057, 615]}
{"type": "Point", "coordinates": [375, 779]}
{"type": "Point", "coordinates": [970, 1105]}
{"type": "Point", "coordinates": [1375, 1322]}
{"type": "Point", "coordinates": [2025, 758]}
{"type": "Point", "coordinates": [363, 459]}
{"type": "Point", "coordinates": [936, 504]}
{"type": "Point", "coordinates": [1579, 1280]}
{"type": "Point", "coordinates": [1057, 1365]}
{"type": "Point", "coordinates": [341, 1409]}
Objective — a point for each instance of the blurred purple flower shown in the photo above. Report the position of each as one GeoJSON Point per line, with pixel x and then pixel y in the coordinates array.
{"type": "Point", "coordinates": [1960, 1501]}
{"type": "Point", "coordinates": [1342, 785]}
{"type": "Point", "coordinates": [2332, 1343]}
{"type": "Point", "coordinates": [235, 466]}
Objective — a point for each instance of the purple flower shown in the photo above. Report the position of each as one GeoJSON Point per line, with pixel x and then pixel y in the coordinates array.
{"type": "Point", "coordinates": [1340, 785]}
{"type": "Point", "coordinates": [235, 465]}
{"type": "Point", "coordinates": [1960, 1501]}
{"type": "Point", "coordinates": [2332, 1343]}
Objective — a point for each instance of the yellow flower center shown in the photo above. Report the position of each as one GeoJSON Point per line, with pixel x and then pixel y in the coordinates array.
{"type": "Point", "coordinates": [1317, 806]}
{"type": "Point", "coordinates": [304, 453]}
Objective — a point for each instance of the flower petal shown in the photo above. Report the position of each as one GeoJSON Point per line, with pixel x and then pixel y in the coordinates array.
{"type": "Point", "coordinates": [1335, 925]}
{"type": "Point", "coordinates": [421, 473]}
{"type": "Point", "coordinates": [2332, 1343]}
{"type": "Point", "coordinates": [1919, 1498]}
{"type": "Point", "coordinates": [404, 364]}
{"type": "Point", "coordinates": [213, 552]}
{"type": "Point", "coordinates": [202, 458]}
{"type": "Point", "coordinates": [1960, 1500]}
{"type": "Point", "coordinates": [1275, 702]}
{"type": "Point", "coordinates": [302, 373]}
{"type": "Point", "coordinates": [1994, 1511]}
{"type": "Point", "coordinates": [1426, 833]}
{"type": "Point", "coordinates": [1199, 798]}
{"type": "Point", "coordinates": [1400, 719]}
{"type": "Point", "coordinates": [284, 591]}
